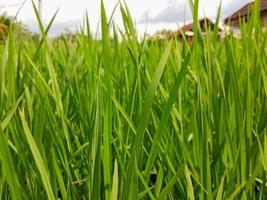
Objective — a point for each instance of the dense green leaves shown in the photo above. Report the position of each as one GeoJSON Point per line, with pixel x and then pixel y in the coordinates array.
{"type": "Point", "coordinates": [120, 118]}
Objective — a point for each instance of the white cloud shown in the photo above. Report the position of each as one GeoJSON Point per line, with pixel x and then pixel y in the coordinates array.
{"type": "Point", "coordinates": [148, 14]}
{"type": "Point", "coordinates": [178, 12]}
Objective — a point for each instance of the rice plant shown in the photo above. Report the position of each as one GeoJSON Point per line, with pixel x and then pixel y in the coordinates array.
{"type": "Point", "coordinates": [120, 118]}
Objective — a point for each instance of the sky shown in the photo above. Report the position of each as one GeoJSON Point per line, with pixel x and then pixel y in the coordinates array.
{"type": "Point", "coordinates": [148, 15]}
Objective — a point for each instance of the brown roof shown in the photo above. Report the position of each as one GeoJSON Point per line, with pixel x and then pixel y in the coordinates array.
{"type": "Point", "coordinates": [189, 27]}
{"type": "Point", "coordinates": [246, 10]}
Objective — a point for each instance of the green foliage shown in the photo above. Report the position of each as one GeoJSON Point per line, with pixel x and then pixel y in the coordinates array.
{"type": "Point", "coordinates": [129, 119]}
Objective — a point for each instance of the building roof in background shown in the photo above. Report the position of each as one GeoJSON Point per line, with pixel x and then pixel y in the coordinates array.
{"type": "Point", "coordinates": [188, 28]}
{"type": "Point", "coordinates": [246, 10]}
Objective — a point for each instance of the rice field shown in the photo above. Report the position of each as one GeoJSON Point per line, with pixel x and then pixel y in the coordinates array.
{"type": "Point", "coordinates": [120, 118]}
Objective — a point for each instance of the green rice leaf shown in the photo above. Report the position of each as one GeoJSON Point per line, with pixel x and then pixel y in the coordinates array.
{"type": "Point", "coordinates": [37, 158]}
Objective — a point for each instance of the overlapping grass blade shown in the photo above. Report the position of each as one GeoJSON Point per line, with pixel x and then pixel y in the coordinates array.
{"type": "Point", "coordinates": [37, 157]}
{"type": "Point", "coordinates": [148, 101]}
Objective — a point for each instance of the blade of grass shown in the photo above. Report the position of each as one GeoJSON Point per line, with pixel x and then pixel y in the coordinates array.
{"type": "Point", "coordinates": [138, 143]}
{"type": "Point", "coordinates": [107, 111]}
{"type": "Point", "coordinates": [8, 167]}
{"type": "Point", "coordinates": [220, 190]}
{"type": "Point", "coordinates": [168, 188]}
{"type": "Point", "coordinates": [115, 183]}
{"type": "Point", "coordinates": [37, 157]}
{"type": "Point", "coordinates": [165, 116]}
{"type": "Point", "coordinates": [59, 177]}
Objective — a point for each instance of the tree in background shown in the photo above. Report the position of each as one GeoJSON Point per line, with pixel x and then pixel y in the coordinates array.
{"type": "Point", "coordinates": [8, 22]}
{"type": "Point", "coordinates": [5, 23]}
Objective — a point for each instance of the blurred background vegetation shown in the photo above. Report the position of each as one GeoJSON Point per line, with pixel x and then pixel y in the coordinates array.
{"type": "Point", "coordinates": [8, 22]}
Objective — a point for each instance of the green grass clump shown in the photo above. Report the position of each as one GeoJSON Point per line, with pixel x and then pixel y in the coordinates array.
{"type": "Point", "coordinates": [129, 119]}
